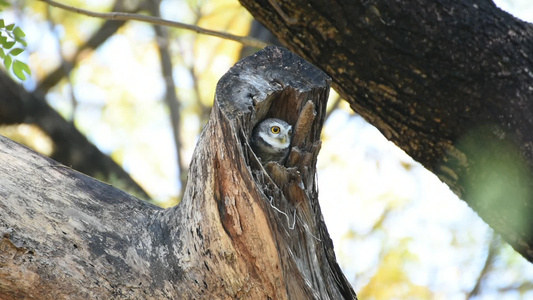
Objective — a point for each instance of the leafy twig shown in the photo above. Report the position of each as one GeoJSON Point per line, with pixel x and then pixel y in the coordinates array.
{"type": "Point", "coordinates": [9, 36]}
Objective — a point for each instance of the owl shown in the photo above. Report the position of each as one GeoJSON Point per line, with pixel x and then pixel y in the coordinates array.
{"type": "Point", "coordinates": [271, 139]}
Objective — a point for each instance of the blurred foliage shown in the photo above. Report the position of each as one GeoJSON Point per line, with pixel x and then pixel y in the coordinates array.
{"type": "Point", "coordinates": [399, 233]}
{"type": "Point", "coordinates": [29, 135]}
{"type": "Point", "coordinates": [391, 280]}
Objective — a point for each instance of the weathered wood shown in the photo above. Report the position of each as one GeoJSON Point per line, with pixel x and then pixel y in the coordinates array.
{"type": "Point", "coordinates": [450, 82]}
{"type": "Point", "coordinates": [240, 232]}
{"type": "Point", "coordinates": [67, 235]}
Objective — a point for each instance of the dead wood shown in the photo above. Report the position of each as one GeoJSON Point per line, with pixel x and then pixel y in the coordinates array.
{"type": "Point", "coordinates": [240, 232]}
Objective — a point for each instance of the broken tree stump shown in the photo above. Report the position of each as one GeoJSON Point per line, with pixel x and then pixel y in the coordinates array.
{"type": "Point", "coordinates": [241, 232]}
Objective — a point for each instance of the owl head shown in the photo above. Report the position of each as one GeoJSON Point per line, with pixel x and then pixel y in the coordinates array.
{"type": "Point", "coordinates": [271, 139]}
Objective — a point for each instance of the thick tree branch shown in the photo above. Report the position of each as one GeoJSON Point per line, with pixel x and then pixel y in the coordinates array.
{"type": "Point", "coordinates": [448, 81]}
{"type": "Point", "coordinates": [58, 226]}
{"type": "Point", "coordinates": [158, 21]}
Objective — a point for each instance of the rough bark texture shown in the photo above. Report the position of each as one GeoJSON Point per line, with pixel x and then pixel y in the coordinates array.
{"type": "Point", "coordinates": [241, 232]}
{"type": "Point", "coordinates": [450, 82]}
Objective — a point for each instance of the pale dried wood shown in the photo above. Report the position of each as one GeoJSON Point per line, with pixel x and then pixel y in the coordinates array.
{"type": "Point", "coordinates": [241, 231]}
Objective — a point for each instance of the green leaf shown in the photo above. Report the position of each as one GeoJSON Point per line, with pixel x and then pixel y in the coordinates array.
{"type": "Point", "coordinates": [4, 3]}
{"type": "Point", "coordinates": [18, 33]}
{"type": "Point", "coordinates": [9, 36]}
{"type": "Point", "coordinates": [7, 62]}
{"type": "Point", "coordinates": [9, 45]}
{"type": "Point", "coordinates": [16, 51]}
{"type": "Point", "coordinates": [25, 68]}
{"type": "Point", "coordinates": [19, 68]}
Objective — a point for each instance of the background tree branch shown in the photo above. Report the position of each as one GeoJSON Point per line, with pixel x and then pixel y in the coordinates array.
{"type": "Point", "coordinates": [171, 98]}
{"type": "Point", "coordinates": [158, 21]}
{"type": "Point", "coordinates": [71, 147]}
{"type": "Point", "coordinates": [107, 29]}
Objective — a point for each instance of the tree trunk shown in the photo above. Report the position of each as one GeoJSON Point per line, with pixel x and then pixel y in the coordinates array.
{"type": "Point", "coordinates": [240, 232]}
{"type": "Point", "coordinates": [449, 82]}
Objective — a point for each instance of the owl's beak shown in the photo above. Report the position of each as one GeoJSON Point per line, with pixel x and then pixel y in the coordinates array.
{"type": "Point", "coordinates": [287, 137]}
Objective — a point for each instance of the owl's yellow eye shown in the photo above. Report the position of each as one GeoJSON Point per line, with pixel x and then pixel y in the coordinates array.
{"type": "Point", "coordinates": [275, 129]}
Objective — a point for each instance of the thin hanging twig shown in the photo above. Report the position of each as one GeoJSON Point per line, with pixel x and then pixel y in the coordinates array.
{"type": "Point", "coordinates": [248, 41]}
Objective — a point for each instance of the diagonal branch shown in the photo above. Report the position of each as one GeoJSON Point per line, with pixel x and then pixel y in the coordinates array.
{"type": "Point", "coordinates": [71, 147]}
{"type": "Point", "coordinates": [447, 83]}
{"type": "Point", "coordinates": [158, 21]}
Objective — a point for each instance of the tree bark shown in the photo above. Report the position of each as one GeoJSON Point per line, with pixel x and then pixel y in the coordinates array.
{"type": "Point", "coordinates": [449, 82]}
{"type": "Point", "coordinates": [240, 232]}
